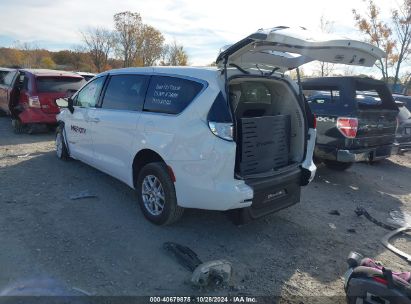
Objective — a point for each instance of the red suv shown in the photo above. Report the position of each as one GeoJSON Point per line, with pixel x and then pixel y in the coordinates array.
{"type": "Point", "coordinates": [29, 96]}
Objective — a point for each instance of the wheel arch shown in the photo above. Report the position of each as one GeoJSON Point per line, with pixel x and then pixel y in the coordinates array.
{"type": "Point", "coordinates": [142, 158]}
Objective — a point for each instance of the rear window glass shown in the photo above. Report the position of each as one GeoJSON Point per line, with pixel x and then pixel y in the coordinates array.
{"type": "Point", "coordinates": [170, 95]}
{"type": "Point", "coordinates": [368, 98]}
{"type": "Point", "coordinates": [58, 84]}
{"type": "Point", "coordinates": [373, 95]}
{"type": "Point", "coordinates": [319, 98]}
{"type": "Point", "coordinates": [8, 78]}
{"type": "Point", "coordinates": [255, 92]}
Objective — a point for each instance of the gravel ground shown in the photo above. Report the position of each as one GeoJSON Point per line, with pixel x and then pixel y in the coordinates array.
{"type": "Point", "coordinates": [104, 246]}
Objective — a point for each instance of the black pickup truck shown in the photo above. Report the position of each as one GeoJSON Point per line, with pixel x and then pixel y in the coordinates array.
{"type": "Point", "coordinates": [356, 119]}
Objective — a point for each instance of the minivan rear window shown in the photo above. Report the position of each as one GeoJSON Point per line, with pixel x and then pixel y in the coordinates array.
{"type": "Point", "coordinates": [47, 84]}
{"type": "Point", "coordinates": [170, 95]}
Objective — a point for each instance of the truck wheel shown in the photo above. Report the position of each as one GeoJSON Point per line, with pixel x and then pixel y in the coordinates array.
{"type": "Point", "coordinates": [157, 195]}
{"type": "Point", "coordinates": [18, 127]}
{"type": "Point", "coordinates": [336, 165]}
{"type": "Point", "coordinates": [61, 148]}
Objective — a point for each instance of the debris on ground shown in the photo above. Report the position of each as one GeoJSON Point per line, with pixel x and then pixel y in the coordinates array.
{"type": "Point", "coordinates": [334, 212]}
{"type": "Point", "coordinates": [332, 226]}
{"type": "Point", "coordinates": [217, 272]}
{"type": "Point", "coordinates": [361, 211]}
{"type": "Point", "coordinates": [351, 230]}
{"type": "Point", "coordinates": [23, 156]}
{"type": "Point", "coordinates": [386, 242]}
{"type": "Point", "coordinates": [81, 195]}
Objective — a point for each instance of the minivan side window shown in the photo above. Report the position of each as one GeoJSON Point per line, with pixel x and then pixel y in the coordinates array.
{"type": "Point", "coordinates": [89, 95]}
{"type": "Point", "coordinates": [125, 92]}
{"type": "Point", "coordinates": [170, 95]}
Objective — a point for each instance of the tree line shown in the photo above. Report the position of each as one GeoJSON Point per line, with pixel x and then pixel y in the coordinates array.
{"type": "Point", "coordinates": [130, 43]}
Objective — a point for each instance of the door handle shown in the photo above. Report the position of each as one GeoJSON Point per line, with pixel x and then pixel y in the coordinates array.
{"type": "Point", "coordinates": [96, 120]}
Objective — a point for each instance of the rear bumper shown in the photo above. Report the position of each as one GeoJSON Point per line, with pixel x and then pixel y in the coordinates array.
{"type": "Point", "coordinates": [356, 155]}
{"type": "Point", "coordinates": [34, 115]}
{"type": "Point", "coordinates": [404, 143]}
{"type": "Point", "coordinates": [274, 193]}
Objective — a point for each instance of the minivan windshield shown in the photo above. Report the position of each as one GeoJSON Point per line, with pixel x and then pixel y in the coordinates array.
{"type": "Point", "coordinates": [58, 84]}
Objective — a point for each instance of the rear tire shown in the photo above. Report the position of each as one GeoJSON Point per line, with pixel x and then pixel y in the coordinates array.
{"type": "Point", "coordinates": [336, 165]}
{"type": "Point", "coordinates": [18, 126]}
{"type": "Point", "coordinates": [157, 195]}
{"type": "Point", "coordinates": [60, 143]}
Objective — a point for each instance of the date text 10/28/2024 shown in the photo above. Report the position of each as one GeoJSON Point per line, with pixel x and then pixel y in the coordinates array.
{"type": "Point", "coordinates": [204, 299]}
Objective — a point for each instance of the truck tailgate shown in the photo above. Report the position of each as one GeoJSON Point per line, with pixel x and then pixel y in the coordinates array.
{"type": "Point", "coordinates": [375, 127]}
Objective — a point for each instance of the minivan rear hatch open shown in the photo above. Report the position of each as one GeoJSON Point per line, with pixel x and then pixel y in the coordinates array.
{"type": "Point", "coordinates": [268, 112]}
{"type": "Point", "coordinates": [288, 48]}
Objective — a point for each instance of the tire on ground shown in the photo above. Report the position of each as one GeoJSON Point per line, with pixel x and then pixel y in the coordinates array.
{"type": "Point", "coordinates": [60, 143]}
{"type": "Point", "coordinates": [171, 211]}
{"type": "Point", "coordinates": [18, 126]}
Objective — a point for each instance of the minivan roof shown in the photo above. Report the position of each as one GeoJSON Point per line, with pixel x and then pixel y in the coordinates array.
{"type": "Point", "coordinates": [186, 71]}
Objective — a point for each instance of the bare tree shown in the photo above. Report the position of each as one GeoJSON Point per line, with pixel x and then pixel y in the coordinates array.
{"type": "Point", "coordinates": [378, 33]}
{"type": "Point", "coordinates": [327, 27]}
{"type": "Point", "coordinates": [152, 45]}
{"type": "Point", "coordinates": [129, 29]}
{"type": "Point", "coordinates": [174, 55]}
{"type": "Point", "coordinates": [99, 42]}
{"type": "Point", "coordinates": [401, 19]}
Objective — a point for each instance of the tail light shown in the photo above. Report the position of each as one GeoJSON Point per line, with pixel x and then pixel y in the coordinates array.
{"type": "Point", "coordinates": [219, 119]}
{"type": "Point", "coordinates": [314, 121]}
{"type": "Point", "coordinates": [34, 102]}
{"type": "Point", "coordinates": [223, 130]}
{"type": "Point", "coordinates": [347, 126]}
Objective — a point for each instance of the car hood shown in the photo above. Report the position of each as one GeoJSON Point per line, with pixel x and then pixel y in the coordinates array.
{"type": "Point", "coordinates": [288, 48]}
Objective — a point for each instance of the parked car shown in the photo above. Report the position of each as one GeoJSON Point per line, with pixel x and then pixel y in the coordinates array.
{"type": "Point", "coordinates": [234, 137]}
{"type": "Point", "coordinates": [29, 96]}
{"type": "Point", "coordinates": [403, 134]}
{"type": "Point", "coordinates": [3, 80]}
{"type": "Point", "coordinates": [356, 120]}
{"type": "Point", "coordinates": [404, 99]}
{"type": "Point", "coordinates": [86, 75]}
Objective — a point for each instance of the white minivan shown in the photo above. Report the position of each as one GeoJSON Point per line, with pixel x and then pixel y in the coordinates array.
{"type": "Point", "coordinates": [236, 137]}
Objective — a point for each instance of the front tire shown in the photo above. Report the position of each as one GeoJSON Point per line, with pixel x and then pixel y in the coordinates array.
{"type": "Point", "coordinates": [18, 126]}
{"type": "Point", "coordinates": [60, 143]}
{"type": "Point", "coordinates": [157, 195]}
{"type": "Point", "coordinates": [336, 165]}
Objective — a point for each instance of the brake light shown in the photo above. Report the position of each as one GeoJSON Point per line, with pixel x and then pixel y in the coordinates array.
{"type": "Point", "coordinates": [347, 126]}
{"type": "Point", "coordinates": [315, 121]}
{"type": "Point", "coordinates": [223, 130]}
{"type": "Point", "coordinates": [34, 102]}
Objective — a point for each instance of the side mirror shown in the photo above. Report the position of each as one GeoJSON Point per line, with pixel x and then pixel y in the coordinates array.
{"type": "Point", "coordinates": [62, 102]}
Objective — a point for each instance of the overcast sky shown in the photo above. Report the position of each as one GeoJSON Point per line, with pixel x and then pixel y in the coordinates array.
{"type": "Point", "coordinates": [201, 26]}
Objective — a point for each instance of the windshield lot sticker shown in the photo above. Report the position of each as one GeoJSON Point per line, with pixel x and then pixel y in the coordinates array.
{"type": "Point", "coordinates": [78, 129]}
{"type": "Point", "coordinates": [165, 94]}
